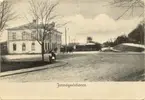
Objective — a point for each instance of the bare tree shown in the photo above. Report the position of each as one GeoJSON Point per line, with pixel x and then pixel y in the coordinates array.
{"type": "Point", "coordinates": [6, 14]}
{"type": "Point", "coordinates": [43, 12]}
{"type": "Point", "coordinates": [128, 5]}
{"type": "Point", "coordinates": [131, 5]}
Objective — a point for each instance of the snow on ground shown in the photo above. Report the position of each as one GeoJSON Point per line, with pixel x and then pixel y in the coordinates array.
{"type": "Point", "coordinates": [25, 56]}
{"type": "Point", "coordinates": [134, 45]}
{"type": "Point", "coordinates": [85, 52]}
{"type": "Point", "coordinates": [21, 56]}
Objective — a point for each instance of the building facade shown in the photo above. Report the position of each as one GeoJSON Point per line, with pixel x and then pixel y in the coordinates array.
{"type": "Point", "coordinates": [21, 40]}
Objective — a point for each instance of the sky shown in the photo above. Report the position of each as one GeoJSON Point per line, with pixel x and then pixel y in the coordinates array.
{"type": "Point", "coordinates": [94, 18]}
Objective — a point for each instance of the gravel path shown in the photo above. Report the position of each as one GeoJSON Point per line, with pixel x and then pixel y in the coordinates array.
{"type": "Point", "coordinates": [91, 68]}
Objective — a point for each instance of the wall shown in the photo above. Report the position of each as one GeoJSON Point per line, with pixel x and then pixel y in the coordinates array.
{"type": "Point", "coordinates": [19, 34]}
{"type": "Point", "coordinates": [19, 47]}
{"type": "Point", "coordinates": [55, 42]}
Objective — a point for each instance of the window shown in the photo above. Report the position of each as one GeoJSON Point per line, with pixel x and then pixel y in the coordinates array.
{"type": "Point", "coordinates": [46, 47]}
{"type": "Point", "coordinates": [23, 47]}
{"type": "Point", "coordinates": [10, 36]}
{"type": "Point", "coordinates": [33, 35]}
{"type": "Point", "coordinates": [59, 38]}
{"type": "Point", "coordinates": [24, 36]}
{"type": "Point", "coordinates": [14, 47]}
{"type": "Point", "coordinates": [33, 47]}
{"type": "Point", "coordinates": [53, 45]}
{"type": "Point", "coordinates": [56, 37]}
{"type": "Point", "coordinates": [14, 36]}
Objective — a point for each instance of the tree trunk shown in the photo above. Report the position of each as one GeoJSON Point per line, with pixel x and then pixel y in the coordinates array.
{"type": "Point", "coordinates": [50, 42]}
{"type": "Point", "coordinates": [0, 59]}
{"type": "Point", "coordinates": [42, 51]}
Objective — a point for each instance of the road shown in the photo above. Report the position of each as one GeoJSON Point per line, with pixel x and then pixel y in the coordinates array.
{"type": "Point", "coordinates": [89, 68]}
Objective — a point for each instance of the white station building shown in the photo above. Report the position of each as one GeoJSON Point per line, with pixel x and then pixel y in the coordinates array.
{"type": "Point", "coordinates": [21, 39]}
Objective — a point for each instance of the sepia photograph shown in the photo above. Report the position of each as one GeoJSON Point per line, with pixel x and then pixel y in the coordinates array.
{"type": "Point", "coordinates": [72, 41]}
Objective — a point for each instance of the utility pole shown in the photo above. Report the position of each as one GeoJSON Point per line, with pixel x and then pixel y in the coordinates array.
{"type": "Point", "coordinates": [65, 39]}
{"type": "Point", "coordinates": [69, 40]}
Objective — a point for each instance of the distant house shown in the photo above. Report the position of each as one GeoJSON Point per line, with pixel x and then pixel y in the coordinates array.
{"type": "Point", "coordinates": [21, 41]}
{"type": "Point", "coordinates": [88, 47]}
{"type": "Point", "coordinates": [81, 47]}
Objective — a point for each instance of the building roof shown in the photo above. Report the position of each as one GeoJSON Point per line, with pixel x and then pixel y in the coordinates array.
{"type": "Point", "coordinates": [34, 26]}
{"type": "Point", "coordinates": [25, 26]}
{"type": "Point", "coordinates": [86, 44]}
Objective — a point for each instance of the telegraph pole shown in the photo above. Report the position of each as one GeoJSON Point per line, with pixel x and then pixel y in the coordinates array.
{"type": "Point", "coordinates": [65, 40]}
{"type": "Point", "coordinates": [69, 40]}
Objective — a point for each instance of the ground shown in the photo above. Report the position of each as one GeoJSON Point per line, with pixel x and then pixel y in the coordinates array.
{"type": "Point", "coordinates": [91, 67]}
